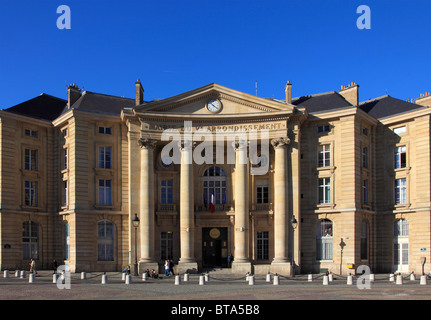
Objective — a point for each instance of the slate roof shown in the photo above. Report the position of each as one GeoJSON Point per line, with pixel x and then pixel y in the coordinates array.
{"type": "Point", "coordinates": [322, 102]}
{"type": "Point", "coordinates": [387, 106]}
{"type": "Point", "coordinates": [44, 107]}
{"type": "Point", "coordinates": [102, 103]}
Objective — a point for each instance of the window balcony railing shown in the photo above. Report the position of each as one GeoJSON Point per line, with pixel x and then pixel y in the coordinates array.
{"type": "Point", "coordinates": [165, 207]}
{"type": "Point", "coordinates": [262, 207]}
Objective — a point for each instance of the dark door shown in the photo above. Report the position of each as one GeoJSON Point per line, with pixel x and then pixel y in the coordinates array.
{"type": "Point", "coordinates": [214, 247]}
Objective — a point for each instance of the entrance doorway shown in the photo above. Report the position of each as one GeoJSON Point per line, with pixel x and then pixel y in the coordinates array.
{"type": "Point", "coordinates": [214, 247]}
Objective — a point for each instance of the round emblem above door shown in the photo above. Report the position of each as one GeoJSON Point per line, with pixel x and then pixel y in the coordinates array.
{"type": "Point", "coordinates": [214, 233]}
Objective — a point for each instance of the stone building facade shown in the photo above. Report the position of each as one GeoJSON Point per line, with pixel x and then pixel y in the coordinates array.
{"type": "Point", "coordinates": [299, 185]}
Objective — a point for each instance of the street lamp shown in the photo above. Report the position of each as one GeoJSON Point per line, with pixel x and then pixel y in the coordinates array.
{"type": "Point", "coordinates": [135, 222]}
{"type": "Point", "coordinates": [294, 225]}
{"type": "Point", "coordinates": [342, 245]}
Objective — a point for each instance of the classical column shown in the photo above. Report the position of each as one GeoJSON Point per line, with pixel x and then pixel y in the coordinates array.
{"type": "Point", "coordinates": [187, 262]}
{"type": "Point", "coordinates": [147, 203]}
{"type": "Point", "coordinates": [241, 263]}
{"type": "Point", "coordinates": [280, 263]}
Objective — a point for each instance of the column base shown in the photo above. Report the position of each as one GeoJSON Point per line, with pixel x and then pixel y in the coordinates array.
{"type": "Point", "coordinates": [144, 265]}
{"type": "Point", "coordinates": [282, 268]}
{"type": "Point", "coordinates": [241, 267]}
{"type": "Point", "coordinates": [186, 267]}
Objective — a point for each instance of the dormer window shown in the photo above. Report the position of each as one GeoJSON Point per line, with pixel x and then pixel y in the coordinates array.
{"type": "Point", "coordinates": [105, 130]}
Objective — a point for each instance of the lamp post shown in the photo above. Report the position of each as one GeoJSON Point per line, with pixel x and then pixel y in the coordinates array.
{"type": "Point", "coordinates": [294, 224]}
{"type": "Point", "coordinates": [342, 245]}
{"type": "Point", "coordinates": [135, 222]}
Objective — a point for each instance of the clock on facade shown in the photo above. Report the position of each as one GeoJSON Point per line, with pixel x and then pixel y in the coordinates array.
{"type": "Point", "coordinates": [214, 105]}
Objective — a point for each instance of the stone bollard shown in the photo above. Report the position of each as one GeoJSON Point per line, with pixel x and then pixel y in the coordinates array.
{"type": "Point", "coordinates": [104, 279]}
{"type": "Point", "coordinates": [423, 280]}
{"type": "Point", "coordinates": [54, 278]}
{"type": "Point", "coordinates": [399, 279]}
{"type": "Point", "coordinates": [331, 277]}
{"type": "Point", "coordinates": [22, 274]}
{"type": "Point", "coordinates": [268, 277]}
{"type": "Point", "coordinates": [128, 279]}
{"type": "Point", "coordinates": [201, 280]}
{"type": "Point", "coordinates": [144, 276]}
{"type": "Point", "coordinates": [186, 277]}
{"type": "Point", "coordinates": [17, 273]}
{"type": "Point", "coordinates": [372, 278]}
{"type": "Point", "coordinates": [276, 280]}
{"type": "Point", "coordinates": [207, 277]}
{"type": "Point", "coordinates": [83, 276]}
{"type": "Point", "coordinates": [251, 280]}
{"type": "Point", "coordinates": [177, 280]}
{"type": "Point", "coordinates": [412, 277]}
{"type": "Point", "coordinates": [325, 280]}
{"type": "Point", "coordinates": [31, 278]}
{"type": "Point", "coordinates": [349, 280]}
{"type": "Point", "coordinates": [391, 277]}
{"type": "Point", "coordinates": [6, 274]}
{"type": "Point", "coordinates": [123, 276]}
{"type": "Point", "coordinates": [247, 275]}
{"type": "Point", "coordinates": [310, 278]}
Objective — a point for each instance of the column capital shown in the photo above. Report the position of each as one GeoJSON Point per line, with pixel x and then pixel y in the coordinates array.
{"type": "Point", "coordinates": [280, 142]}
{"type": "Point", "coordinates": [183, 145]}
{"type": "Point", "coordinates": [239, 145]}
{"type": "Point", "coordinates": [147, 143]}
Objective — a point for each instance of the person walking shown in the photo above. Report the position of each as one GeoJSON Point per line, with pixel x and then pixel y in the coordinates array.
{"type": "Point", "coordinates": [167, 268]}
{"type": "Point", "coordinates": [54, 266]}
{"type": "Point", "coordinates": [171, 267]}
{"type": "Point", "coordinates": [32, 266]}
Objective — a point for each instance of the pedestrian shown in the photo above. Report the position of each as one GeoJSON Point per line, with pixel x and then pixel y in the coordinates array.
{"type": "Point", "coordinates": [229, 260]}
{"type": "Point", "coordinates": [167, 268]}
{"type": "Point", "coordinates": [171, 267]}
{"type": "Point", "coordinates": [55, 266]}
{"type": "Point", "coordinates": [32, 266]}
{"type": "Point", "coordinates": [126, 270]}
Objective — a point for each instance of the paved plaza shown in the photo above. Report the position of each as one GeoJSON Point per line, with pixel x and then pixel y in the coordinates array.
{"type": "Point", "coordinates": [218, 287]}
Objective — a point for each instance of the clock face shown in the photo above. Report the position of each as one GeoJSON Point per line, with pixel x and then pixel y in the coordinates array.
{"type": "Point", "coordinates": [213, 105]}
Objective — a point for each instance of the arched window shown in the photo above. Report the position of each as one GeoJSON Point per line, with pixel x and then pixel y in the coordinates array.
{"type": "Point", "coordinates": [324, 245]}
{"type": "Point", "coordinates": [214, 184]}
{"type": "Point", "coordinates": [105, 241]}
{"type": "Point", "coordinates": [30, 240]}
{"type": "Point", "coordinates": [364, 240]}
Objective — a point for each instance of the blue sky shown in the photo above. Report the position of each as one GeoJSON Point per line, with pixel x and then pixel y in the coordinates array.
{"type": "Point", "coordinates": [176, 46]}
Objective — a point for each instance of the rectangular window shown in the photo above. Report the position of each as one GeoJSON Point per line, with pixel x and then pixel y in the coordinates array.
{"type": "Point", "coordinates": [365, 157]}
{"type": "Point", "coordinates": [324, 190]}
{"type": "Point", "coordinates": [30, 159]}
{"type": "Point", "coordinates": [400, 157]}
{"type": "Point", "coordinates": [105, 157]}
{"type": "Point", "coordinates": [262, 245]}
{"type": "Point", "coordinates": [325, 128]}
{"type": "Point", "coordinates": [262, 191]}
{"type": "Point", "coordinates": [400, 130]}
{"type": "Point", "coordinates": [105, 241]}
{"type": "Point", "coordinates": [30, 193]}
{"type": "Point", "coordinates": [105, 130]}
{"type": "Point", "coordinates": [65, 194]}
{"type": "Point", "coordinates": [166, 245]}
{"type": "Point", "coordinates": [65, 159]}
{"type": "Point", "coordinates": [400, 191]}
{"type": "Point", "coordinates": [166, 191]}
{"type": "Point", "coordinates": [324, 156]}
{"type": "Point", "coordinates": [365, 191]}
{"type": "Point", "coordinates": [30, 133]}
{"type": "Point", "coordinates": [105, 192]}
{"type": "Point", "coordinates": [365, 131]}
{"type": "Point", "coordinates": [30, 240]}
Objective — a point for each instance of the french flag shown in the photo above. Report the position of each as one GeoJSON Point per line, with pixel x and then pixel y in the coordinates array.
{"type": "Point", "coordinates": [212, 207]}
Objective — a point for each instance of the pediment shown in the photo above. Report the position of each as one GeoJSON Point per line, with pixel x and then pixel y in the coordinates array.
{"type": "Point", "coordinates": [232, 102]}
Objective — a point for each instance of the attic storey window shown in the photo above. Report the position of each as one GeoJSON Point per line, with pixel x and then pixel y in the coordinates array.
{"type": "Point", "coordinates": [30, 133]}
{"type": "Point", "coordinates": [325, 128]}
{"type": "Point", "coordinates": [105, 130]}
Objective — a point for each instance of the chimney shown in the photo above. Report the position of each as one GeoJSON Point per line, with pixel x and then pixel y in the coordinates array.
{"type": "Point", "coordinates": [350, 93]}
{"type": "Point", "coordinates": [139, 93]}
{"type": "Point", "coordinates": [288, 91]}
{"type": "Point", "coordinates": [73, 94]}
{"type": "Point", "coordinates": [424, 99]}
